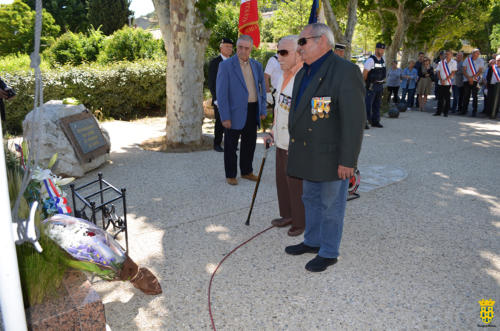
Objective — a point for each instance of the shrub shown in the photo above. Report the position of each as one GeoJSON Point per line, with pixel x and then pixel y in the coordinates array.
{"type": "Point", "coordinates": [67, 49]}
{"type": "Point", "coordinates": [18, 62]}
{"type": "Point", "coordinates": [75, 48]}
{"type": "Point", "coordinates": [122, 90]}
{"type": "Point", "coordinates": [129, 44]}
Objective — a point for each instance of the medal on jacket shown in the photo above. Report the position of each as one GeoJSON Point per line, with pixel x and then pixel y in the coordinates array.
{"type": "Point", "coordinates": [326, 106]}
{"type": "Point", "coordinates": [314, 110]}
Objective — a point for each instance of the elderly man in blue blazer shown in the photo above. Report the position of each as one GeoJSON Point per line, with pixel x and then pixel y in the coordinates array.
{"type": "Point", "coordinates": [241, 96]}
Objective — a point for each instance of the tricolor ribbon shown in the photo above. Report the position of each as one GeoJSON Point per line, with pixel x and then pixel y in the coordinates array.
{"type": "Point", "coordinates": [61, 202]}
{"type": "Point", "coordinates": [495, 72]}
{"type": "Point", "coordinates": [446, 71]}
{"type": "Point", "coordinates": [19, 149]}
{"type": "Point", "coordinates": [472, 67]}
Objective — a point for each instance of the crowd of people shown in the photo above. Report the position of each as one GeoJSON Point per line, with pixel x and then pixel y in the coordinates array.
{"type": "Point", "coordinates": [456, 78]}
{"type": "Point", "coordinates": [321, 102]}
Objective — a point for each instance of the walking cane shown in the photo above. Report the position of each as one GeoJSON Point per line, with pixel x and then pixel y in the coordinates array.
{"type": "Point", "coordinates": [268, 143]}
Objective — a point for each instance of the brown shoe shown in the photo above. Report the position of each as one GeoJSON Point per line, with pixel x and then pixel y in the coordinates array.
{"type": "Point", "coordinates": [281, 222]}
{"type": "Point", "coordinates": [232, 181]}
{"type": "Point", "coordinates": [250, 176]}
{"type": "Point", "coordinates": [293, 232]}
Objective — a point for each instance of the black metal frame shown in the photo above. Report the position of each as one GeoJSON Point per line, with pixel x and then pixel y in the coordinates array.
{"type": "Point", "coordinates": [108, 214]}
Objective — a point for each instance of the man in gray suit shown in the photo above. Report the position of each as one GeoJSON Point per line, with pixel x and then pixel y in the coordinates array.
{"type": "Point", "coordinates": [326, 130]}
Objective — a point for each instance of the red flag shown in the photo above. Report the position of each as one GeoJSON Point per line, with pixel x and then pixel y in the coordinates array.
{"type": "Point", "coordinates": [249, 20]}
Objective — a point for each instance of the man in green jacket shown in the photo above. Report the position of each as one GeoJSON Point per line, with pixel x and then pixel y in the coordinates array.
{"type": "Point", "coordinates": [326, 130]}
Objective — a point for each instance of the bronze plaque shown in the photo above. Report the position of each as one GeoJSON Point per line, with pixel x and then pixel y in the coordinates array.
{"type": "Point", "coordinates": [85, 136]}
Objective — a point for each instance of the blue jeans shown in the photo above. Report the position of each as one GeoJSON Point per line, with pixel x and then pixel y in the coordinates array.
{"type": "Point", "coordinates": [324, 204]}
{"type": "Point", "coordinates": [411, 96]}
{"type": "Point", "coordinates": [457, 98]}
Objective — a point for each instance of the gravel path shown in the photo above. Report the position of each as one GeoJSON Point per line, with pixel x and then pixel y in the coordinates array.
{"type": "Point", "coordinates": [417, 254]}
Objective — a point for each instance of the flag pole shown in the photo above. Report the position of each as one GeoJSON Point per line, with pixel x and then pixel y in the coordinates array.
{"type": "Point", "coordinates": [11, 297]}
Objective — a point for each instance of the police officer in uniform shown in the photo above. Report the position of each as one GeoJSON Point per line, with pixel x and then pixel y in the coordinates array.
{"type": "Point", "coordinates": [339, 50]}
{"type": "Point", "coordinates": [374, 75]}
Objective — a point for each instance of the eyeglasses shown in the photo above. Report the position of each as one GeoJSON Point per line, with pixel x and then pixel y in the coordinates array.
{"type": "Point", "coordinates": [302, 41]}
{"type": "Point", "coordinates": [282, 52]}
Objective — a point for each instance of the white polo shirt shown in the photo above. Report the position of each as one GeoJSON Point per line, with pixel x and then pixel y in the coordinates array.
{"type": "Point", "coordinates": [451, 66]}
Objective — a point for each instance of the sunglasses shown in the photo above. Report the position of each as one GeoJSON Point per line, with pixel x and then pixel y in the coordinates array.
{"type": "Point", "coordinates": [302, 41]}
{"type": "Point", "coordinates": [282, 52]}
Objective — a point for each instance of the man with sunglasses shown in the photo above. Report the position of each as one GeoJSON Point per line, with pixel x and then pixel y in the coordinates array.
{"type": "Point", "coordinates": [374, 75]}
{"type": "Point", "coordinates": [325, 124]}
{"type": "Point", "coordinates": [289, 189]}
{"type": "Point", "coordinates": [241, 96]}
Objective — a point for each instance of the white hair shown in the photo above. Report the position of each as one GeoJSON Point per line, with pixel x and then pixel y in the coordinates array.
{"type": "Point", "coordinates": [292, 38]}
{"type": "Point", "coordinates": [245, 38]}
{"type": "Point", "coordinates": [320, 29]}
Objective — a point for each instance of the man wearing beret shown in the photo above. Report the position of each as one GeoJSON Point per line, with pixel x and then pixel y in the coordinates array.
{"type": "Point", "coordinates": [374, 75]}
{"type": "Point", "coordinates": [326, 122]}
{"type": "Point", "coordinates": [226, 50]}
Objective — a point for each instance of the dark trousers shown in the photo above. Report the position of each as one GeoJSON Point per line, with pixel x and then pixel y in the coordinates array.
{"type": "Point", "coordinates": [458, 98]}
{"type": "Point", "coordinates": [289, 192]}
{"type": "Point", "coordinates": [247, 147]}
{"type": "Point", "coordinates": [372, 102]}
{"type": "Point", "coordinates": [393, 90]}
{"type": "Point", "coordinates": [219, 129]}
{"type": "Point", "coordinates": [443, 99]}
{"type": "Point", "coordinates": [468, 90]}
{"type": "Point", "coordinates": [492, 102]}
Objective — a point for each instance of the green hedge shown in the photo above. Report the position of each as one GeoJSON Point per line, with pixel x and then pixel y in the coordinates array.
{"type": "Point", "coordinates": [123, 90]}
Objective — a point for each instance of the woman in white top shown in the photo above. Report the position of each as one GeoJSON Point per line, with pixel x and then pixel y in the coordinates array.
{"type": "Point", "coordinates": [289, 189]}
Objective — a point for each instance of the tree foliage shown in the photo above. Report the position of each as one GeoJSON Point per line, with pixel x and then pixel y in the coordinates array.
{"type": "Point", "coordinates": [70, 15]}
{"type": "Point", "coordinates": [17, 25]}
{"type": "Point", "coordinates": [226, 26]}
{"type": "Point", "coordinates": [290, 17]}
{"type": "Point", "coordinates": [110, 15]}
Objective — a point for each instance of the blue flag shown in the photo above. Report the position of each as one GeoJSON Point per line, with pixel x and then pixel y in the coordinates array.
{"type": "Point", "coordinates": [313, 18]}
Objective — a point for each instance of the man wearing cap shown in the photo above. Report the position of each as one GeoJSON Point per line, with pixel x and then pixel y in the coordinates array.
{"type": "Point", "coordinates": [325, 123]}
{"type": "Point", "coordinates": [374, 75]}
{"type": "Point", "coordinates": [472, 69]}
{"type": "Point", "coordinates": [226, 50]}
{"type": "Point", "coordinates": [241, 97]}
{"type": "Point", "coordinates": [445, 72]}
{"type": "Point", "coordinates": [339, 50]}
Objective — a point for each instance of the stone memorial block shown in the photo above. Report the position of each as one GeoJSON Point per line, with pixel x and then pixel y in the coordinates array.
{"type": "Point", "coordinates": [45, 126]}
{"type": "Point", "coordinates": [85, 135]}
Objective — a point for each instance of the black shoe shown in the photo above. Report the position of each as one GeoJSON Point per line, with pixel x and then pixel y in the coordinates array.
{"type": "Point", "coordinates": [445, 115]}
{"type": "Point", "coordinates": [462, 113]}
{"type": "Point", "coordinates": [436, 114]}
{"type": "Point", "coordinates": [377, 125]}
{"type": "Point", "coordinates": [319, 263]}
{"type": "Point", "coordinates": [367, 126]}
{"type": "Point", "coordinates": [473, 115]}
{"type": "Point", "coordinates": [217, 148]}
{"type": "Point", "coordinates": [301, 249]}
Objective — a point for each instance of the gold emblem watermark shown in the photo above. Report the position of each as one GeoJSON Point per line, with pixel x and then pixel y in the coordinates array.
{"type": "Point", "coordinates": [486, 313]}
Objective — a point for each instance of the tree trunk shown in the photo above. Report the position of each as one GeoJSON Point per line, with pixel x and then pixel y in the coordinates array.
{"type": "Point", "coordinates": [342, 37]}
{"type": "Point", "coordinates": [399, 35]}
{"type": "Point", "coordinates": [186, 39]}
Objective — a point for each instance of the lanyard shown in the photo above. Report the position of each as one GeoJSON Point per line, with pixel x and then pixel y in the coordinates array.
{"type": "Point", "coordinates": [495, 72]}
